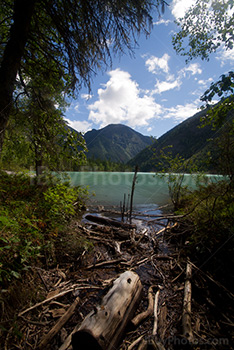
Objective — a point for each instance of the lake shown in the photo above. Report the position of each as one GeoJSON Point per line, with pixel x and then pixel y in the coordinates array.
{"type": "Point", "coordinates": [110, 187]}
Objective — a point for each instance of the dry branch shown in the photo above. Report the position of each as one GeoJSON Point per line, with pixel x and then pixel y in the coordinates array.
{"type": "Point", "coordinates": [104, 263]}
{"type": "Point", "coordinates": [46, 301]}
{"type": "Point", "coordinates": [106, 221]}
{"type": "Point", "coordinates": [156, 313]}
{"type": "Point", "coordinates": [140, 317]}
{"type": "Point", "coordinates": [61, 322]}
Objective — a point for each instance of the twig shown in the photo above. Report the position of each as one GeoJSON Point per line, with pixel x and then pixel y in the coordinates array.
{"type": "Point", "coordinates": [135, 343]}
{"type": "Point", "coordinates": [45, 301]}
{"type": "Point", "coordinates": [103, 263]}
{"type": "Point", "coordinates": [61, 322]}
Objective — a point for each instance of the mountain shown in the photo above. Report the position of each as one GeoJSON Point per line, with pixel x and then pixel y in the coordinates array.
{"type": "Point", "coordinates": [187, 139]}
{"type": "Point", "coordinates": [115, 142]}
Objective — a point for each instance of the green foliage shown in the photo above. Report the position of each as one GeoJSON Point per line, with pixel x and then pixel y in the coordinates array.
{"type": "Point", "coordinates": [222, 88]}
{"type": "Point", "coordinates": [209, 223]}
{"type": "Point", "coordinates": [32, 217]}
{"type": "Point", "coordinates": [205, 26]}
{"type": "Point", "coordinates": [173, 170]}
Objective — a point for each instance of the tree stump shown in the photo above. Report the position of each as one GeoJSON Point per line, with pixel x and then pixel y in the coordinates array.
{"type": "Point", "coordinates": [102, 329]}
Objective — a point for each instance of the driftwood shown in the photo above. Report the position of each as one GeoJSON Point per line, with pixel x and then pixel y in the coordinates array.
{"type": "Point", "coordinates": [106, 221]}
{"type": "Point", "coordinates": [186, 317]}
{"type": "Point", "coordinates": [61, 322]}
{"type": "Point", "coordinates": [102, 329]}
{"type": "Point", "coordinates": [156, 313]}
{"type": "Point", "coordinates": [140, 317]}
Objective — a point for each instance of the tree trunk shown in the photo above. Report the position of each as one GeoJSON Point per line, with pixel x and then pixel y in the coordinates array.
{"type": "Point", "coordinates": [19, 33]}
{"type": "Point", "coordinates": [103, 328]}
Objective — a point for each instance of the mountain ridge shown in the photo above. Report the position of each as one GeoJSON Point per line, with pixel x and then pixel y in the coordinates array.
{"type": "Point", "coordinates": [115, 142]}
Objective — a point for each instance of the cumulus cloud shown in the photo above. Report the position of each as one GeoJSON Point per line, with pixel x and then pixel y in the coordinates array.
{"type": "Point", "coordinates": [156, 64]}
{"type": "Point", "coordinates": [160, 65]}
{"type": "Point", "coordinates": [162, 86]}
{"type": "Point", "coordinates": [194, 68]}
{"type": "Point", "coordinates": [121, 101]}
{"type": "Point", "coordinates": [182, 112]}
{"type": "Point", "coordinates": [79, 125]}
{"type": "Point", "coordinates": [179, 7]}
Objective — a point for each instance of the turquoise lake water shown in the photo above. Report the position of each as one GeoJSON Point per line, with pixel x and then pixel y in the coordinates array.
{"type": "Point", "coordinates": [110, 187]}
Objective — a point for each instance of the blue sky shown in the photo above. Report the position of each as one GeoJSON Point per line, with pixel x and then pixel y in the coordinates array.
{"type": "Point", "coordinates": [155, 90]}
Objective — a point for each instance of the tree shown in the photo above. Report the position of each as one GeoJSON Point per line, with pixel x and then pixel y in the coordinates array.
{"type": "Point", "coordinates": [37, 128]}
{"type": "Point", "coordinates": [78, 36]}
{"type": "Point", "coordinates": [205, 27]}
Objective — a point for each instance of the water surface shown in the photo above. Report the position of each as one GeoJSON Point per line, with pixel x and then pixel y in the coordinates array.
{"type": "Point", "coordinates": [110, 187]}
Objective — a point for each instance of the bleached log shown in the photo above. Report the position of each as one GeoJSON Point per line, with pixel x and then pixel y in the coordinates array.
{"type": "Point", "coordinates": [156, 313]}
{"type": "Point", "coordinates": [186, 317]}
{"type": "Point", "coordinates": [102, 329]}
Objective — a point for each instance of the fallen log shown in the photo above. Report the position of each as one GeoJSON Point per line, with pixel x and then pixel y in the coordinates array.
{"type": "Point", "coordinates": [102, 329]}
{"type": "Point", "coordinates": [106, 221]}
{"type": "Point", "coordinates": [186, 317]}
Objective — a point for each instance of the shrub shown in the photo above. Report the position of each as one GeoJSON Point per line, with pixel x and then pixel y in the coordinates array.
{"type": "Point", "coordinates": [32, 215]}
{"type": "Point", "coordinates": [210, 219]}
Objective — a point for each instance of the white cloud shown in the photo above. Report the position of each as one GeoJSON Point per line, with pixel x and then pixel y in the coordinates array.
{"type": "Point", "coordinates": [180, 112]}
{"type": "Point", "coordinates": [86, 96]}
{"type": "Point", "coordinates": [171, 82]}
{"type": "Point", "coordinates": [162, 86]}
{"type": "Point", "coordinates": [179, 7]}
{"type": "Point", "coordinates": [205, 83]}
{"type": "Point", "coordinates": [155, 64]}
{"type": "Point", "coordinates": [194, 68]}
{"type": "Point", "coordinates": [76, 107]}
{"type": "Point", "coordinates": [225, 56]}
{"type": "Point", "coordinates": [120, 102]}
{"type": "Point", "coordinates": [79, 125]}
{"type": "Point", "coordinates": [162, 21]}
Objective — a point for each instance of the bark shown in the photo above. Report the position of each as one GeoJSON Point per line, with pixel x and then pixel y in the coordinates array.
{"type": "Point", "coordinates": [19, 33]}
{"type": "Point", "coordinates": [103, 328]}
